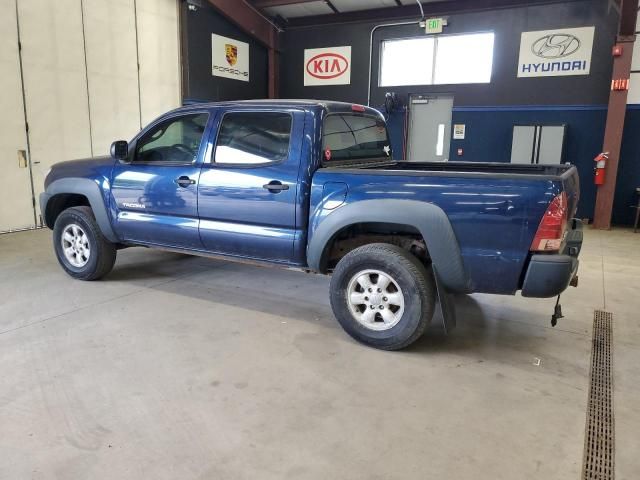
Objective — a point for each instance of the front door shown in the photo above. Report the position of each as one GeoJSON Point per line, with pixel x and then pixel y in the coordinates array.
{"type": "Point", "coordinates": [155, 193]}
{"type": "Point", "coordinates": [247, 192]}
{"type": "Point", "coordinates": [429, 128]}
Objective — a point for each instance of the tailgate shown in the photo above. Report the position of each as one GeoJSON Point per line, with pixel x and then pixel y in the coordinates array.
{"type": "Point", "coordinates": [571, 186]}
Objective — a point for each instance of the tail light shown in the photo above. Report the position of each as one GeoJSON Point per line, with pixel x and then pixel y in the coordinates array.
{"type": "Point", "coordinates": [552, 226]}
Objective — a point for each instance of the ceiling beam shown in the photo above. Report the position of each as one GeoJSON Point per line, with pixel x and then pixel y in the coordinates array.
{"type": "Point", "coordinates": [628, 15]}
{"type": "Point", "coordinates": [248, 20]}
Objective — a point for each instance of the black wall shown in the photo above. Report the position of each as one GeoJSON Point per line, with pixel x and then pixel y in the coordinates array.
{"type": "Point", "coordinates": [505, 88]}
{"type": "Point", "coordinates": [489, 111]}
{"type": "Point", "coordinates": [198, 83]}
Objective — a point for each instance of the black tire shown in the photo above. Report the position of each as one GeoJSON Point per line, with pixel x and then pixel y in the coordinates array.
{"type": "Point", "coordinates": [417, 286]}
{"type": "Point", "coordinates": [102, 254]}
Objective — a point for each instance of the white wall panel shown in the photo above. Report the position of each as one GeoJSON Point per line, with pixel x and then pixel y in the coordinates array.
{"type": "Point", "coordinates": [110, 42]}
{"type": "Point", "coordinates": [159, 57]}
{"type": "Point", "coordinates": [55, 83]}
{"type": "Point", "coordinates": [634, 89]}
{"type": "Point", "coordinates": [16, 210]}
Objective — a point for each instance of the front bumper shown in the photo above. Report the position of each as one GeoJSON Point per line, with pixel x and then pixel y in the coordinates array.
{"type": "Point", "coordinates": [549, 275]}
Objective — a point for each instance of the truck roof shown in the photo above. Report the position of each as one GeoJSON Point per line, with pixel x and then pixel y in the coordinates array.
{"type": "Point", "coordinates": [329, 105]}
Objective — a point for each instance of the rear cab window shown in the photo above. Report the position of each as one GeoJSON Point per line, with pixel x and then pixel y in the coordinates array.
{"type": "Point", "coordinates": [351, 138]}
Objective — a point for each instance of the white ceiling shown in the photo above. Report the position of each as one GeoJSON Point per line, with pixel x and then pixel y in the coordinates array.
{"type": "Point", "coordinates": [320, 7]}
{"type": "Point", "coordinates": [299, 10]}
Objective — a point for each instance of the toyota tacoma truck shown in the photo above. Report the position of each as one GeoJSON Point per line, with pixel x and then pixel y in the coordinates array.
{"type": "Point", "coordinates": [313, 186]}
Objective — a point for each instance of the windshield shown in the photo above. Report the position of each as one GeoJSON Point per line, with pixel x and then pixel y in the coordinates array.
{"type": "Point", "coordinates": [349, 137]}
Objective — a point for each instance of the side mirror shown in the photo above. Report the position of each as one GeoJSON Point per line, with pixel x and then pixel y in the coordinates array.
{"type": "Point", "coordinates": [120, 149]}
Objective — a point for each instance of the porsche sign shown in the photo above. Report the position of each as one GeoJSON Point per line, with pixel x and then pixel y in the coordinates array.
{"type": "Point", "coordinates": [229, 58]}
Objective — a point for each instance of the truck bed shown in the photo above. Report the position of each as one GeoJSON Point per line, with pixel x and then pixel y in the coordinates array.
{"type": "Point", "coordinates": [494, 208]}
{"type": "Point", "coordinates": [552, 172]}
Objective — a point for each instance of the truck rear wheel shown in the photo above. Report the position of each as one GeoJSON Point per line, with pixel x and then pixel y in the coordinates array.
{"type": "Point", "coordinates": [80, 247]}
{"type": "Point", "coordinates": [383, 296]}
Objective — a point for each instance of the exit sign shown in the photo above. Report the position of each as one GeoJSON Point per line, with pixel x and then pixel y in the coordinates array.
{"type": "Point", "coordinates": [434, 25]}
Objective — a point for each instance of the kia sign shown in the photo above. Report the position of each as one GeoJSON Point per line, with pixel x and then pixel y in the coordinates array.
{"type": "Point", "coordinates": [327, 66]}
{"type": "Point", "coordinates": [554, 53]}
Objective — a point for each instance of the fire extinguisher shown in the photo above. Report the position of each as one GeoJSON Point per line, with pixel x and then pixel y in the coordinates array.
{"type": "Point", "coordinates": [601, 164]}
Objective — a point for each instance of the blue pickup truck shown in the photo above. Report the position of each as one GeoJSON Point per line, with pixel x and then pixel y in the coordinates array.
{"type": "Point", "coordinates": [313, 186]}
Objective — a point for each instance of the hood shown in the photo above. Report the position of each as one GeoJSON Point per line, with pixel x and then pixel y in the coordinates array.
{"type": "Point", "coordinates": [92, 168]}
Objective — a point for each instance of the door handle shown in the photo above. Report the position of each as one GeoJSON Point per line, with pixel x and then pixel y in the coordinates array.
{"type": "Point", "coordinates": [184, 181]}
{"type": "Point", "coordinates": [274, 186]}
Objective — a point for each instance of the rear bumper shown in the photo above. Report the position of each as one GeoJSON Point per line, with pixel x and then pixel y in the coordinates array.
{"type": "Point", "coordinates": [550, 275]}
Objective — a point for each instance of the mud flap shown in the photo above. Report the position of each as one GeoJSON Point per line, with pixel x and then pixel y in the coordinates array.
{"type": "Point", "coordinates": [447, 307]}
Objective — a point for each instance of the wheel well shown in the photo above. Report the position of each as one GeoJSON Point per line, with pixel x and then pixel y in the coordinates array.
{"type": "Point", "coordinates": [356, 235]}
{"type": "Point", "coordinates": [59, 203]}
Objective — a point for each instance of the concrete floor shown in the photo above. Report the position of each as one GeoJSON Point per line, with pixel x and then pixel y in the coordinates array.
{"type": "Point", "coordinates": [179, 367]}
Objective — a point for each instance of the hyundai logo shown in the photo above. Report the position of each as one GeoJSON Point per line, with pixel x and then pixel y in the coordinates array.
{"type": "Point", "coordinates": [556, 45]}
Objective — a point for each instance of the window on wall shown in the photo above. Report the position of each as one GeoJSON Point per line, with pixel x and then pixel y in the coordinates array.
{"type": "Point", "coordinates": [439, 60]}
{"type": "Point", "coordinates": [407, 62]}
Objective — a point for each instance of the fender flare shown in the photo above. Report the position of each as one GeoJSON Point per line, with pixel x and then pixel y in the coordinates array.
{"type": "Point", "coordinates": [429, 219]}
{"type": "Point", "coordinates": [89, 189]}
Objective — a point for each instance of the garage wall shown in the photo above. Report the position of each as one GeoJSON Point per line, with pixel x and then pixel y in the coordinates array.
{"type": "Point", "coordinates": [55, 84]}
{"type": "Point", "coordinates": [199, 83]}
{"type": "Point", "coordinates": [16, 209]}
{"type": "Point", "coordinates": [158, 56]}
{"type": "Point", "coordinates": [489, 111]}
{"type": "Point", "coordinates": [77, 70]}
{"type": "Point", "coordinates": [112, 74]}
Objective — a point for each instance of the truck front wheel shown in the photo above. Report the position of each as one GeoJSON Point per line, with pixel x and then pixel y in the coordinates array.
{"type": "Point", "coordinates": [80, 247]}
{"type": "Point", "coordinates": [383, 296]}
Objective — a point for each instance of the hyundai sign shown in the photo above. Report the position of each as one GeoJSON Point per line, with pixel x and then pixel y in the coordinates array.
{"type": "Point", "coordinates": [554, 53]}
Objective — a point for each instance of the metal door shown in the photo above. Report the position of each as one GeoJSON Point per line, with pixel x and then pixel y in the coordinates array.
{"type": "Point", "coordinates": [523, 144]}
{"type": "Point", "coordinates": [429, 135]}
{"type": "Point", "coordinates": [16, 204]}
{"type": "Point", "coordinates": [55, 84]}
{"type": "Point", "coordinates": [538, 144]}
{"type": "Point", "coordinates": [551, 148]}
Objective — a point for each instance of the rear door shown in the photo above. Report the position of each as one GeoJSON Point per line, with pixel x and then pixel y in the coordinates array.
{"type": "Point", "coordinates": [247, 190]}
{"type": "Point", "coordinates": [155, 193]}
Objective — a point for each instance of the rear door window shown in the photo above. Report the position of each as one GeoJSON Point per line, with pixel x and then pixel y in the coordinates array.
{"type": "Point", "coordinates": [253, 138]}
{"type": "Point", "coordinates": [350, 137]}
